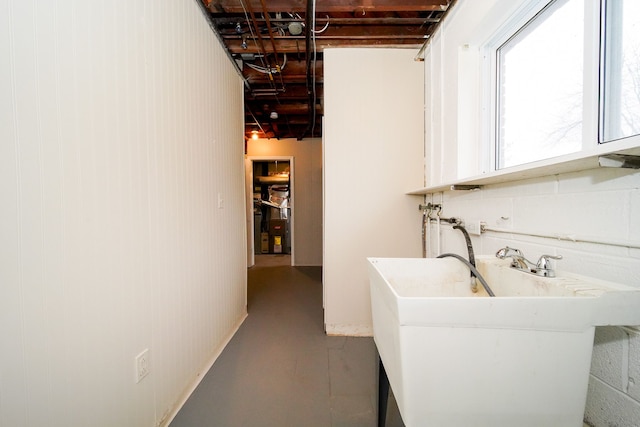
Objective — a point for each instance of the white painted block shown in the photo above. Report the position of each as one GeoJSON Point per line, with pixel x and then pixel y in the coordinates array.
{"type": "Point", "coordinates": [634, 215]}
{"type": "Point", "coordinates": [607, 407]}
{"type": "Point", "coordinates": [633, 379]}
{"type": "Point", "coordinates": [609, 358]}
{"type": "Point", "coordinates": [603, 214]}
{"type": "Point", "coordinates": [531, 212]}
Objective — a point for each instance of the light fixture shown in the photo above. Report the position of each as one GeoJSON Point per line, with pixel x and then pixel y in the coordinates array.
{"type": "Point", "coordinates": [274, 115]}
{"type": "Point", "coordinates": [238, 28]}
{"type": "Point", "coordinates": [254, 134]}
{"type": "Point", "coordinates": [244, 42]}
{"type": "Point", "coordinates": [295, 28]}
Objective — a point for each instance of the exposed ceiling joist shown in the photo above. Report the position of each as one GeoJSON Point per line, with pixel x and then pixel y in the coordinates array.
{"type": "Point", "coordinates": [278, 45]}
{"type": "Point", "coordinates": [331, 6]}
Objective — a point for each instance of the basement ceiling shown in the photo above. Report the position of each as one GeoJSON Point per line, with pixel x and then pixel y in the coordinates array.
{"type": "Point", "coordinates": [277, 46]}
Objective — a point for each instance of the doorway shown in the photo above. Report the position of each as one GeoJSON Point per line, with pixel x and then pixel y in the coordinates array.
{"type": "Point", "coordinates": [270, 217]}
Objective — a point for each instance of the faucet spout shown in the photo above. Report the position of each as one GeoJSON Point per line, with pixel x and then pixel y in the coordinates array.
{"type": "Point", "coordinates": [518, 260]}
{"type": "Point", "coordinates": [508, 252]}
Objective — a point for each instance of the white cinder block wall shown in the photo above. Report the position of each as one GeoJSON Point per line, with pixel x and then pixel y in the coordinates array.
{"type": "Point", "coordinates": [595, 204]}
{"type": "Point", "coordinates": [121, 122]}
{"type": "Point", "coordinates": [601, 204]}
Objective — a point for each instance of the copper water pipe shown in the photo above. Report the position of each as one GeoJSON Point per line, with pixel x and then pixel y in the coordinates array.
{"type": "Point", "coordinates": [268, 21]}
{"type": "Point", "coordinates": [273, 41]}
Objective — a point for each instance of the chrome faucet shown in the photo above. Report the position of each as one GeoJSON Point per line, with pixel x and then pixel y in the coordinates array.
{"type": "Point", "coordinates": [518, 260]}
{"type": "Point", "coordinates": [542, 268]}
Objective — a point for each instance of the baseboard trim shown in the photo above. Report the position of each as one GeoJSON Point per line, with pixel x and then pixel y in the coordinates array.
{"type": "Point", "coordinates": [350, 330]}
{"type": "Point", "coordinates": [169, 416]}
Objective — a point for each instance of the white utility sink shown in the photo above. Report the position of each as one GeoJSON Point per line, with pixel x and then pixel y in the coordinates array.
{"type": "Point", "coordinates": [458, 358]}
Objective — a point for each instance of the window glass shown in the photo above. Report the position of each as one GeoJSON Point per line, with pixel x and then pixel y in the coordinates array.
{"type": "Point", "coordinates": [620, 89]}
{"type": "Point", "coordinates": [540, 86]}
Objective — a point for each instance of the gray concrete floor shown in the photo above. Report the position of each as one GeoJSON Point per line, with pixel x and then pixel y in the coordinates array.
{"type": "Point", "coordinates": [280, 369]}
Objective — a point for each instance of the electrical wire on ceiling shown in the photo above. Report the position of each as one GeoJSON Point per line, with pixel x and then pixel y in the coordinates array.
{"type": "Point", "coordinates": [311, 61]}
{"type": "Point", "coordinates": [265, 15]}
{"type": "Point", "coordinates": [253, 36]}
{"type": "Point", "coordinates": [297, 16]}
{"type": "Point", "coordinates": [269, 70]}
{"type": "Point", "coordinates": [266, 67]}
{"type": "Point", "coordinates": [323, 28]}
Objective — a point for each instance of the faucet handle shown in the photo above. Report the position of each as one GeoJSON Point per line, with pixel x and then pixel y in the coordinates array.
{"type": "Point", "coordinates": [544, 263]}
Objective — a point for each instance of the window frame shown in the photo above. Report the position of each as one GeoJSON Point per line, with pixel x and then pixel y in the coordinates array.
{"type": "Point", "coordinates": [606, 61]}
{"type": "Point", "coordinates": [593, 77]}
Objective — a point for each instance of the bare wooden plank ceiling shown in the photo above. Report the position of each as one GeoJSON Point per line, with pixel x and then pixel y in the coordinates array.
{"type": "Point", "coordinates": [278, 47]}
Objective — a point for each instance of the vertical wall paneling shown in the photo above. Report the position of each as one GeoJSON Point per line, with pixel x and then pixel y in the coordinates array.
{"type": "Point", "coordinates": [121, 122]}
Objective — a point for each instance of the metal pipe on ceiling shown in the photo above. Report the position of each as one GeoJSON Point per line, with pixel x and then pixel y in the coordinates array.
{"type": "Point", "coordinates": [273, 43]}
{"type": "Point", "coordinates": [268, 22]}
{"type": "Point", "coordinates": [310, 82]}
{"type": "Point", "coordinates": [257, 30]}
{"type": "Point", "coordinates": [220, 38]}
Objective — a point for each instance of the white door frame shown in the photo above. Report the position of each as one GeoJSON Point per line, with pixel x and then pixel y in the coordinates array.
{"type": "Point", "coordinates": [251, 259]}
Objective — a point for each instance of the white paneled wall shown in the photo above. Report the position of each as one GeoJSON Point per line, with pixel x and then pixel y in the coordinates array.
{"type": "Point", "coordinates": [121, 124]}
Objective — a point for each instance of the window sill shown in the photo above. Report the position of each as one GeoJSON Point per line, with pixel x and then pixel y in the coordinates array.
{"type": "Point", "coordinates": [575, 162]}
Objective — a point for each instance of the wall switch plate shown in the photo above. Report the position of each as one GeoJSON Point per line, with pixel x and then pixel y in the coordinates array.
{"type": "Point", "coordinates": [142, 365]}
{"type": "Point", "coordinates": [220, 201]}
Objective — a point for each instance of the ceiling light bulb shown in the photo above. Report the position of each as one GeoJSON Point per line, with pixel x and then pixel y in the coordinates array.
{"type": "Point", "coordinates": [274, 115]}
{"type": "Point", "coordinates": [238, 28]}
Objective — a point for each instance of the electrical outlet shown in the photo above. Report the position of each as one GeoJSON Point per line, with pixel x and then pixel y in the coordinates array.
{"type": "Point", "coordinates": [142, 365]}
{"type": "Point", "coordinates": [220, 201]}
{"type": "Point", "coordinates": [473, 227]}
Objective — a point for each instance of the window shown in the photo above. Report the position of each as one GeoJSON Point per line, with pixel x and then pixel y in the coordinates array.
{"type": "Point", "coordinates": [546, 103]}
{"type": "Point", "coordinates": [540, 86]}
{"type": "Point", "coordinates": [620, 87]}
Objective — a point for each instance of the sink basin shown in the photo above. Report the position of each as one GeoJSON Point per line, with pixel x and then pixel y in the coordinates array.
{"type": "Point", "coordinates": [454, 357]}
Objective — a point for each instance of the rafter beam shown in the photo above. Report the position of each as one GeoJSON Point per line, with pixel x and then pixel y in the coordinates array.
{"type": "Point", "coordinates": [332, 6]}
{"type": "Point", "coordinates": [293, 46]}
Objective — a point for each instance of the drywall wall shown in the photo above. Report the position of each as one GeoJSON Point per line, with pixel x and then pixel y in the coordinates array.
{"type": "Point", "coordinates": [121, 124]}
{"type": "Point", "coordinates": [307, 196]}
{"type": "Point", "coordinates": [373, 146]}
